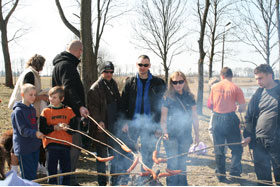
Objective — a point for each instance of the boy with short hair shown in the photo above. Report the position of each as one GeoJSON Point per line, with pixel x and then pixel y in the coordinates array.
{"type": "Point", "coordinates": [53, 122]}
{"type": "Point", "coordinates": [26, 136]}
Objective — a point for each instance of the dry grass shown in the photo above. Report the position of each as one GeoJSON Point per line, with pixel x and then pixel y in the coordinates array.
{"type": "Point", "coordinates": [201, 168]}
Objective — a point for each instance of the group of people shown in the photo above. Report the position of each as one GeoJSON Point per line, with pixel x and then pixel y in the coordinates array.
{"type": "Point", "coordinates": [145, 110]}
{"type": "Point", "coordinates": [261, 124]}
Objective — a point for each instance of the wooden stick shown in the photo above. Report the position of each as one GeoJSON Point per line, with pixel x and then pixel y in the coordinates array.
{"type": "Point", "coordinates": [77, 172]}
{"type": "Point", "coordinates": [98, 142]}
{"type": "Point", "coordinates": [116, 140]}
{"type": "Point", "coordinates": [187, 153]}
{"type": "Point", "coordinates": [76, 146]}
{"type": "Point", "coordinates": [107, 132]}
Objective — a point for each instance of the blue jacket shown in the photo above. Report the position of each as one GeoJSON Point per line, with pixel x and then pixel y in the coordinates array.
{"type": "Point", "coordinates": [24, 129]}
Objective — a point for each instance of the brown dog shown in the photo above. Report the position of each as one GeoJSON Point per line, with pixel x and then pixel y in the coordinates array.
{"type": "Point", "coordinates": [3, 158]}
{"type": "Point", "coordinates": [6, 140]}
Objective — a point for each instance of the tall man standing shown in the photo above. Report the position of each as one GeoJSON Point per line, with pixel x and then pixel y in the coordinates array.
{"type": "Point", "coordinates": [262, 124]}
{"type": "Point", "coordinates": [65, 74]}
{"type": "Point", "coordinates": [141, 105]}
{"type": "Point", "coordinates": [103, 104]}
{"type": "Point", "coordinates": [224, 96]}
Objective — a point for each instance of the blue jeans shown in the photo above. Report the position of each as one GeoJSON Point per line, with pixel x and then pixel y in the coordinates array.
{"type": "Point", "coordinates": [58, 153]}
{"type": "Point", "coordinates": [28, 165]}
{"type": "Point", "coordinates": [175, 146]}
{"type": "Point", "coordinates": [226, 129]}
{"type": "Point", "coordinates": [266, 154]}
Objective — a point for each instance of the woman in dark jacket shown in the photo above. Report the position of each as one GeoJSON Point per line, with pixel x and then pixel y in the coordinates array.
{"type": "Point", "coordinates": [178, 114]}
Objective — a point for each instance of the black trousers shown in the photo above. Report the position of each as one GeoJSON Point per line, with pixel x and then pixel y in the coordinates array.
{"type": "Point", "coordinates": [266, 154]}
{"type": "Point", "coordinates": [101, 166]}
{"type": "Point", "coordinates": [226, 128]}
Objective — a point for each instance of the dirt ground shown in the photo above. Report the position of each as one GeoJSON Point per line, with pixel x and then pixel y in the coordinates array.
{"type": "Point", "coordinates": [200, 168]}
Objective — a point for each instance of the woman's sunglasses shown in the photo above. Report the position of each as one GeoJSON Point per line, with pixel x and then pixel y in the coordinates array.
{"type": "Point", "coordinates": [178, 82]}
{"type": "Point", "coordinates": [145, 65]}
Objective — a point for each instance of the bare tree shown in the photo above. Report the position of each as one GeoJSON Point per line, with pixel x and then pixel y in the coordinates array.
{"type": "Point", "coordinates": [202, 11]}
{"type": "Point", "coordinates": [217, 20]}
{"type": "Point", "coordinates": [160, 29]}
{"type": "Point", "coordinates": [4, 38]}
{"type": "Point", "coordinates": [257, 28]}
{"type": "Point", "coordinates": [105, 11]}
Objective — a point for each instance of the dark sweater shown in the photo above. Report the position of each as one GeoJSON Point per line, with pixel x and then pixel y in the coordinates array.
{"type": "Point", "coordinates": [65, 74]}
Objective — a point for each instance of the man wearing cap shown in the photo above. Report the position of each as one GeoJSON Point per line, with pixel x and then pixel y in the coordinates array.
{"type": "Point", "coordinates": [141, 106]}
{"type": "Point", "coordinates": [103, 104]}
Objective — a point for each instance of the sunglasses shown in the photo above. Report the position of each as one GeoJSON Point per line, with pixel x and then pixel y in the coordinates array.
{"type": "Point", "coordinates": [145, 65]}
{"type": "Point", "coordinates": [178, 82]}
{"type": "Point", "coordinates": [111, 72]}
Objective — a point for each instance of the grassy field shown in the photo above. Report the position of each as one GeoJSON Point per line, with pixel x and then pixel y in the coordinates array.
{"type": "Point", "coordinates": [200, 168]}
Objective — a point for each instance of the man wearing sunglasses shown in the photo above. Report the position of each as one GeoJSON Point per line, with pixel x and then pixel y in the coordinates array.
{"type": "Point", "coordinates": [103, 104]}
{"type": "Point", "coordinates": [141, 104]}
{"type": "Point", "coordinates": [224, 98]}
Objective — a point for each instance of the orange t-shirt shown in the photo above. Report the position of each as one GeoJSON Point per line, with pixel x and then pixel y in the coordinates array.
{"type": "Point", "coordinates": [224, 96]}
{"type": "Point", "coordinates": [55, 116]}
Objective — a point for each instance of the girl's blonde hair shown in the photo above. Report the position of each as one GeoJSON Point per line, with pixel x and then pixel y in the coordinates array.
{"type": "Point", "coordinates": [171, 91]}
{"type": "Point", "coordinates": [37, 62]}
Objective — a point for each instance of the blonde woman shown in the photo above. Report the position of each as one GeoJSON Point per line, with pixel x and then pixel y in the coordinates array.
{"type": "Point", "coordinates": [178, 115]}
{"type": "Point", "coordinates": [30, 75]}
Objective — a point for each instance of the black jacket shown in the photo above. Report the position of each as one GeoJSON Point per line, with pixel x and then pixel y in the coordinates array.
{"type": "Point", "coordinates": [97, 100]}
{"type": "Point", "coordinates": [65, 74]}
{"type": "Point", "coordinates": [252, 115]}
{"type": "Point", "coordinates": [129, 93]}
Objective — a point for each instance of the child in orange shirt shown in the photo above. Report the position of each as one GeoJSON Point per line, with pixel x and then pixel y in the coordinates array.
{"type": "Point", "coordinates": [53, 121]}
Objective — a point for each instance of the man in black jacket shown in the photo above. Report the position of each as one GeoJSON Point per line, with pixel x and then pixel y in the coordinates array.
{"type": "Point", "coordinates": [65, 74]}
{"type": "Point", "coordinates": [262, 125]}
{"type": "Point", "coordinates": [141, 105]}
{"type": "Point", "coordinates": [103, 104]}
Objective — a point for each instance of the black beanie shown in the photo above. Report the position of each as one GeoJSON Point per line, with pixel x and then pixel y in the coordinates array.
{"type": "Point", "coordinates": [107, 65]}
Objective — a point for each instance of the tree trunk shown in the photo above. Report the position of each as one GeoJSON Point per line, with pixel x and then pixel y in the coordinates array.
{"type": "Point", "coordinates": [89, 69]}
{"type": "Point", "coordinates": [201, 58]}
{"type": "Point", "coordinates": [7, 59]}
{"type": "Point", "coordinates": [166, 74]}
{"type": "Point", "coordinates": [211, 59]}
{"type": "Point", "coordinates": [200, 84]}
{"type": "Point", "coordinates": [278, 31]}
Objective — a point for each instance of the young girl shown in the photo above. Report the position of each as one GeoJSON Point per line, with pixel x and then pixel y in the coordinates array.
{"type": "Point", "coordinates": [178, 113]}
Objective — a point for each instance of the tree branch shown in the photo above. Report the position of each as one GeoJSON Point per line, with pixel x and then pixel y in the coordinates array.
{"type": "Point", "coordinates": [65, 21]}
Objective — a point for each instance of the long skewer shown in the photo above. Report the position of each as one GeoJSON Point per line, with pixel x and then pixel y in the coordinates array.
{"type": "Point", "coordinates": [77, 131]}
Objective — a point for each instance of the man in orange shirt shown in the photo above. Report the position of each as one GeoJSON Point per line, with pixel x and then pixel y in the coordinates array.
{"type": "Point", "coordinates": [226, 98]}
